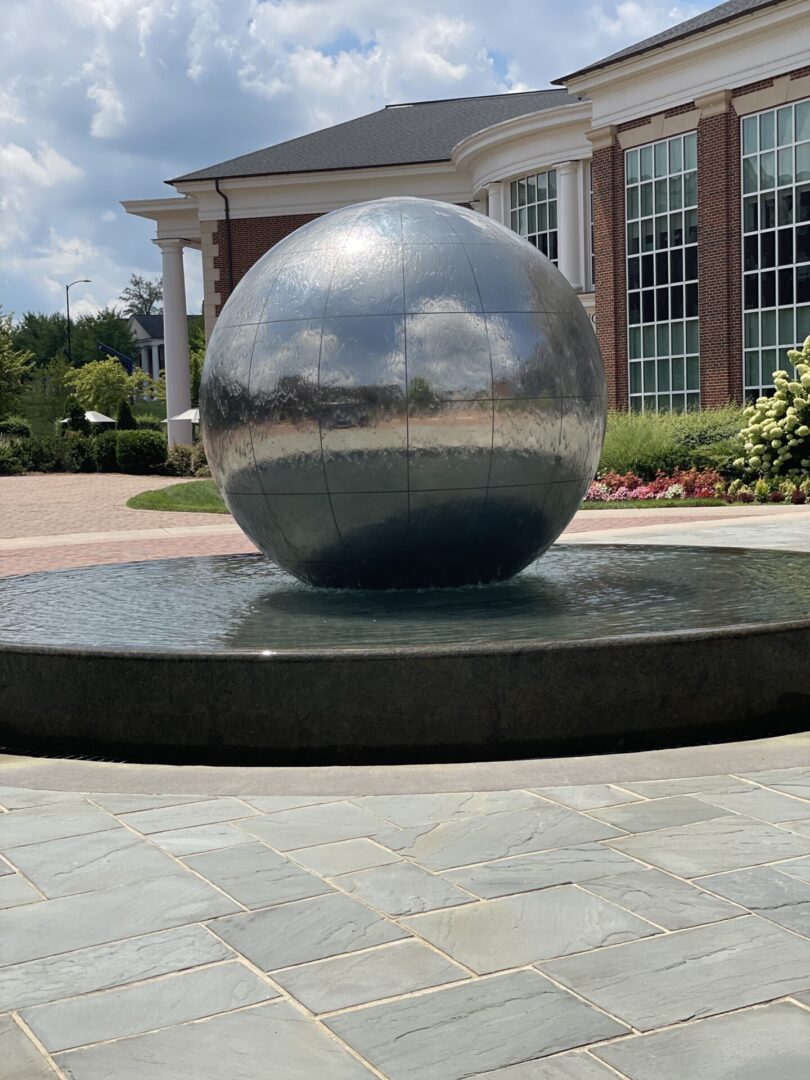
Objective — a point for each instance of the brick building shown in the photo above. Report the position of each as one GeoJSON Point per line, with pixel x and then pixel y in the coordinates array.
{"type": "Point", "coordinates": [670, 182]}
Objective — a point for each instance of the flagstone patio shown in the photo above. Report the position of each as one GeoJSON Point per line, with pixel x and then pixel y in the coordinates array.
{"type": "Point", "coordinates": [652, 930]}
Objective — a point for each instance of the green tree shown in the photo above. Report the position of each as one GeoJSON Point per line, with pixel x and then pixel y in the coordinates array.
{"type": "Point", "coordinates": [196, 356]}
{"type": "Point", "coordinates": [43, 335]}
{"type": "Point", "coordinates": [142, 296]}
{"type": "Point", "coordinates": [15, 368]}
{"type": "Point", "coordinates": [124, 420]}
{"type": "Point", "coordinates": [108, 327]}
{"type": "Point", "coordinates": [141, 385]}
{"type": "Point", "coordinates": [100, 384]}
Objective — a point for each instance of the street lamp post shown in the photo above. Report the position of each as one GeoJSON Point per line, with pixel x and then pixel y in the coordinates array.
{"type": "Point", "coordinates": [78, 281]}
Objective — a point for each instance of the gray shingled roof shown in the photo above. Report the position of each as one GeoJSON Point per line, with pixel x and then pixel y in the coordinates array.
{"type": "Point", "coordinates": [733, 9]}
{"type": "Point", "coordinates": [416, 133]}
{"type": "Point", "coordinates": [152, 325]}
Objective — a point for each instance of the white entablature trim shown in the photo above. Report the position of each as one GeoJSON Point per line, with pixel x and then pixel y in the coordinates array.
{"type": "Point", "coordinates": [754, 47]}
{"type": "Point", "coordinates": [525, 144]}
{"type": "Point", "coordinates": [176, 219]}
{"type": "Point", "coordinates": [317, 193]}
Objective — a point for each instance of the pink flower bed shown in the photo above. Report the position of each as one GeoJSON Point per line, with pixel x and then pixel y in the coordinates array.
{"type": "Point", "coordinates": [682, 484]}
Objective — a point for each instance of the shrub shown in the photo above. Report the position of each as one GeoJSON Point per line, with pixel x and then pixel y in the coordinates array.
{"type": "Point", "coordinates": [648, 443]}
{"type": "Point", "coordinates": [47, 453]}
{"type": "Point", "coordinates": [11, 463]}
{"type": "Point", "coordinates": [776, 437]}
{"type": "Point", "coordinates": [79, 452]}
{"type": "Point", "coordinates": [178, 461]}
{"type": "Point", "coordinates": [104, 446]}
{"type": "Point", "coordinates": [140, 451]}
{"type": "Point", "coordinates": [75, 419]}
{"type": "Point", "coordinates": [198, 458]}
{"type": "Point", "coordinates": [203, 473]}
{"type": "Point", "coordinates": [124, 419]}
{"type": "Point", "coordinates": [15, 426]}
{"type": "Point", "coordinates": [146, 422]}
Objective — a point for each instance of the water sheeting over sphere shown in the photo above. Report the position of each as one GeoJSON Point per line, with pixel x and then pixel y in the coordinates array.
{"type": "Point", "coordinates": [403, 393]}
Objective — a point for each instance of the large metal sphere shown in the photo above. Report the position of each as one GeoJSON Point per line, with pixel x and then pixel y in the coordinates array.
{"type": "Point", "coordinates": [403, 393]}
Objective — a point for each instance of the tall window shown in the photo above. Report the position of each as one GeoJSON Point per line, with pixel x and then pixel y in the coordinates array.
{"type": "Point", "coordinates": [776, 240]}
{"type": "Point", "coordinates": [593, 227]}
{"type": "Point", "coordinates": [533, 203]}
{"type": "Point", "coordinates": [662, 272]}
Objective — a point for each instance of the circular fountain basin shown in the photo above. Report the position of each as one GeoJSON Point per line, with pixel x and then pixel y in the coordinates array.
{"type": "Point", "coordinates": [230, 658]}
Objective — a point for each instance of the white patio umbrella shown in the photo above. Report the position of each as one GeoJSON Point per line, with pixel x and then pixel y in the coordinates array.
{"type": "Point", "coordinates": [190, 414]}
{"type": "Point", "coordinates": [93, 417]}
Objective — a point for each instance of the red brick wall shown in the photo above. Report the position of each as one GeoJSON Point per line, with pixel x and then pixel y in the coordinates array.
{"type": "Point", "coordinates": [719, 259]}
{"type": "Point", "coordinates": [611, 272]}
{"type": "Point", "coordinates": [250, 239]}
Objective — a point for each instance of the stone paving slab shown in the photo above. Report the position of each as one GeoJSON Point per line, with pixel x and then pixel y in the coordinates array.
{"type": "Point", "coordinates": [454, 1033]}
{"type": "Point", "coordinates": [571, 1066]}
{"type": "Point", "coordinates": [541, 870]}
{"type": "Point", "coordinates": [506, 934]}
{"type": "Point", "coordinates": [659, 813]}
{"type": "Point", "coordinates": [402, 889]}
{"type": "Point", "coordinates": [305, 930]}
{"type": "Point", "coordinates": [760, 1044]}
{"type": "Point", "coordinates": [76, 922]}
{"type": "Point", "coordinates": [19, 1057]}
{"type": "Point", "coordinates": [698, 972]}
{"type": "Point", "coordinates": [256, 876]}
{"type": "Point", "coordinates": [514, 931]}
{"type": "Point", "coordinates": [101, 966]}
{"type": "Point", "coordinates": [358, 978]}
{"type": "Point", "coordinates": [712, 847]}
{"type": "Point", "coordinates": [132, 1010]}
{"type": "Point", "coordinates": [782, 898]}
{"type": "Point", "coordinates": [96, 860]}
{"type": "Point", "coordinates": [272, 1039]}
{"type": "Point", "coordinates": [664, 900]}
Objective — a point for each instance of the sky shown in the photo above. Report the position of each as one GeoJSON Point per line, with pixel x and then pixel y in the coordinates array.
{"type": "Point", "coordinates": [103, 100]}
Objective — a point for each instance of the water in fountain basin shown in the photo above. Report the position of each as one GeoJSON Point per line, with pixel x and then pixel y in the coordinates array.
{"type": "Point", "coordinates": [244, 602]}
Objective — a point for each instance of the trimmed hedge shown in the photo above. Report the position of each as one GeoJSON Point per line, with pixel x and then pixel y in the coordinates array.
{"type": "Point", "coordinates": [16, 427]}
{"type": "Point", "coordinates": [648, 443]}
{"type": "Point", "coordinates": [104, 450]}
{"type": "Point", "coordinates": [140, 451]}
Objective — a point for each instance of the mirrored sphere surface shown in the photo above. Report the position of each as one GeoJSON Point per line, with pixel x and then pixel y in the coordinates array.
{"type": "Point", "coordinates": [403, 393]}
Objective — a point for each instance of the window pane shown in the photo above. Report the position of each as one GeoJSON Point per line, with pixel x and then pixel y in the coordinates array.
{"type": "Point", "coordinates": [661, 179]}
{"type": "Point", "coordinates": [749, 137]}
{"type": "Point", "coordinates": [784, 126]}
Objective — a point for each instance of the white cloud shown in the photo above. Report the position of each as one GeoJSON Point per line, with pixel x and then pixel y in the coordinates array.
{"type": "Point", "coordinates": [100, 100]}
{"type": "Point", "coordinates": [110, 116]}
{"type": "Point", "coordinates": [44, 168]}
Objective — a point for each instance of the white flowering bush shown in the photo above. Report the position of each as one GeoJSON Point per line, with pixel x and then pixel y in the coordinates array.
{"type": "Point", "coordinates": [776, 439]}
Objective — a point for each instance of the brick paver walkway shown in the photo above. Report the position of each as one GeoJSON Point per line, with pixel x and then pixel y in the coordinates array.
{"type": "Point", "coordinates": [53, 521]}
{"type": "Point", "coordinates": [646, 930]}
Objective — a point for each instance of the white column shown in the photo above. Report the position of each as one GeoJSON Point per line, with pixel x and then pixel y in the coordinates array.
{"type": "Point", "coordinates": [175, 340]}
{"type": "Point", "coordinates": [155, 361]}
{"type": "Point", "coordinates": [568, 222]}
{"type": "Point", "coordinates": [495, 202]}
{"type": "Point", "coordinates": [144, 351]}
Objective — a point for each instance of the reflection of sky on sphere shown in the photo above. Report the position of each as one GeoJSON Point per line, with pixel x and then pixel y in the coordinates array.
{"type": "Point", "coordinates": [400, 385]}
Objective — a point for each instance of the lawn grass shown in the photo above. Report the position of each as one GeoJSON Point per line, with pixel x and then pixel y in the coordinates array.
{"type": "Point", "coordinates": [652, 504]}
{"type": "Point", "coordinates": [202, 497]}
{"type": "Point", "coordinates": [194, 496]}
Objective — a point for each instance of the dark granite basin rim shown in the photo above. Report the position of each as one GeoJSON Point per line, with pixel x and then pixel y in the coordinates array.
{"type": "Point", "coordinates": [406, 704]}
{"type": "Point", "coordinates": [382, 652]}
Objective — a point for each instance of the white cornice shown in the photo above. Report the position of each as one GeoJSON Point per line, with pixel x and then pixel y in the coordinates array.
{"type": "Point", "coordinates": [758, 46]}
{"type": "Point", "coordinates": [334, 176]}
{"type": "Point", "coordinates": [524, 144]}
{"type": "Point", "coordinates": [465, 152]}
{"type": "Point", "coordinates": [175, 218]}
{"type": "Point", "coordinates": [318, 193]}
